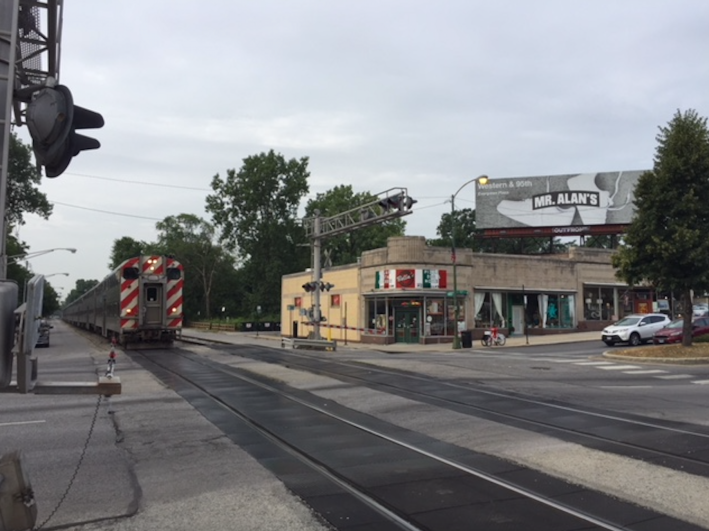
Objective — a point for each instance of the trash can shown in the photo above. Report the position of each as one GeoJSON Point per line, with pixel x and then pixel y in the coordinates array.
{"type": "Point", "coordinates": [466, 338]}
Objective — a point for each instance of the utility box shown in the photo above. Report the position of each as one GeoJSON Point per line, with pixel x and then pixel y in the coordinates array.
{"type": "Point", "coordinates": [18, 508]}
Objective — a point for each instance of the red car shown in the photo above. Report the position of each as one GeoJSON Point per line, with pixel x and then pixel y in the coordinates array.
{"type": "Point", "coordinates": [672, 333]}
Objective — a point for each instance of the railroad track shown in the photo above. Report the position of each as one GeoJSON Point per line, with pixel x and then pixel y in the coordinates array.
{"type": "Point", "coordinates": [356, 470]}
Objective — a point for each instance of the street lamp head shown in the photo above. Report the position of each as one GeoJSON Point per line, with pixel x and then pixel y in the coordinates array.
{"type": "Point", "coordinates": [483, 179]}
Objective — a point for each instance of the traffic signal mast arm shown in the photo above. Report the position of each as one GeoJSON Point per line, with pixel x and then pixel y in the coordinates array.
{"type": "Point", "coordinates": [394, 203]}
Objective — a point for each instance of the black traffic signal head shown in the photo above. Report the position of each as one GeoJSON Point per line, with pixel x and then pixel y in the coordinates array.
{"type": "Point", "coordinates": [391, 202]}
{"type": "Point", "coordinates": [310, 286]}
{"type": "Point", "coordinates": [326, 286]}
{"type": "Point", "coordinates": [407, 202]}
{"type": "Point", "coordinates": [400, 201]}
{"type": "Point", "coordinates": [53, 119]}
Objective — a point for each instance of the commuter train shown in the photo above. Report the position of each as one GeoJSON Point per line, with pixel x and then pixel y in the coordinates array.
{"type": "Point", "coordinates": [139, 303]}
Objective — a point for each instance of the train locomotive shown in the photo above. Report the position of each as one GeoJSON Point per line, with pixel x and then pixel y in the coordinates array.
{"type": "Point", "coordinates": [139, 303]}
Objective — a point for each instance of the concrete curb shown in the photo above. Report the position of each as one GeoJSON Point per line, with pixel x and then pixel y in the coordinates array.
{"type": "Point", "coordinates": [669, 361]}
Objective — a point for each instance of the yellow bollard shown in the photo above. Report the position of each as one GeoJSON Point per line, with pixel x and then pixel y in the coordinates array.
{"type": "Point", "coordinates": [329, 334]}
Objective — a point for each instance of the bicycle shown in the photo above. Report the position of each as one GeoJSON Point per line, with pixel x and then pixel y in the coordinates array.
{"type": "Point", "coordinates": [493, 339]}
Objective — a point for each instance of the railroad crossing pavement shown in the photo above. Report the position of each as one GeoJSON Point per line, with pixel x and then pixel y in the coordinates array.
{"type": "Point", "coordinates": [274, 338]}
{"type": "Point", "coordinates": [153, 464]}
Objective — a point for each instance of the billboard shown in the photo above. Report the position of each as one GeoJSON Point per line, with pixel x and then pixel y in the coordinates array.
{"type": "Point", "coordinates": [564, 204]}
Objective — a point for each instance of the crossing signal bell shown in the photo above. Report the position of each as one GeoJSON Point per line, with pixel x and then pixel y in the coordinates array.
{"type": "Point", "coordinates": [53, 119]}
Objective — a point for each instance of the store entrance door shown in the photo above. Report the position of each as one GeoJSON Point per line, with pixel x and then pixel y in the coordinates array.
{"type": "Point", "coordinates": [407, 326]}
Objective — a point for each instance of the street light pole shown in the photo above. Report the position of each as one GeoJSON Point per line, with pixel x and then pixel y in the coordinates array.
{"type": "Point", "coordinates": [482, 179]}
{"type": "Point", "coordinates": [35, 254]}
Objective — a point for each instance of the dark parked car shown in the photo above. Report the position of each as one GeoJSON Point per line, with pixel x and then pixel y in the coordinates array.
{"type": "Point", "coordinates": [43, 337]}
{"type": "Point", "coordinates": [672, 333]}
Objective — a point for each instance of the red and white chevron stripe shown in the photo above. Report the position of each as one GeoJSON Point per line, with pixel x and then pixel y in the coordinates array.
{"type": "Point", "coordinates": [365, 330]}
{"type": "Point", "coordinates": [130, 300]}
{"type": "Point", "coordinates": [174, 297]}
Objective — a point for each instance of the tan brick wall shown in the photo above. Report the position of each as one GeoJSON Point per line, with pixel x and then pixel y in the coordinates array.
{"type": "Point", "coordinates": [562, 272]}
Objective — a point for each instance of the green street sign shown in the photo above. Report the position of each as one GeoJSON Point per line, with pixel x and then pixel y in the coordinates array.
{"type": "Point", "coordinates": [461, 292]}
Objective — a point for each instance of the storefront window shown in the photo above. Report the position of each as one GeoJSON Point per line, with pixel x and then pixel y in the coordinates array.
{"type": "Point", "coordinates": [559, 310]}
{"type": "Point", "coordinates": [598, 304]}
{"type": "Point", "coordinates": [377, 317]}
{"type": "Point", "coordinates": [435, 318]}
{"type": "Point", "coordinates": [490, 309]}
{"type": "Point", "coordinates": [451, 327]}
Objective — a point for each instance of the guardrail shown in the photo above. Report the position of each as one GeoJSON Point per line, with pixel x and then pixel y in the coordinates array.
{"type": "Point", "coordinates": [317, 344]}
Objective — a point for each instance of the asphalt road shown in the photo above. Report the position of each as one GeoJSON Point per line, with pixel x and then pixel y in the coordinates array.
{"type": "Point", "coordinates": [156, 463]}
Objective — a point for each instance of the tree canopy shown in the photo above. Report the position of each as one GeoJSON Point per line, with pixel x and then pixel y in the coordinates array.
{"type": "Point", "coordinates": [347, 248]}
{"type": "Point", "coordinates": [208, 266]}
{"type": "Point", "coordinates": [467, 237]}
{"type": "Point", "coordinates": [256, 211]}
{"type": "Point", "coordinates": [125, 248]}
{"type": "Point", "coordinates": [666, 245]}
{"type": "Point", "coordinates": [23, 196]}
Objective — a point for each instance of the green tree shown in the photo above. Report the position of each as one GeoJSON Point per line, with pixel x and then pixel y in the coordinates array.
{"type": "Point", "coordinates": [23, 196]}
{"type": "Point", "coordinates": [125, 248]}
{"type": "Point", "coordinates": [50, 300]}
{"type": "Point", "coordinates": [666, 244]}
{"type": "Point", "coordinates": [82, 286]}
{"type": "Point", "coordinates": [16, 269]}
{"type": "Point", "coordinates": [467, 237]}
{"type": "Point", "coordinates": [347, 248]}
{"type": "Point", "coordinates": [191, 240]}
{"type": "Point", "coordinates": [256, 212]}
{"type": "Point", "coordinates": [601, 241]}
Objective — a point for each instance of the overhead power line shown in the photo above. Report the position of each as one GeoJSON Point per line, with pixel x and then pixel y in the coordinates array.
{"type": "Point", "coordinates": [106, 211]}
{"type": "Point", "coordinates": [161, 185]}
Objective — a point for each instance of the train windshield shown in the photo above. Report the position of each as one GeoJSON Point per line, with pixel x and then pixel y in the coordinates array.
{"type": "Point", "coordinates": [130, 273]}
{"type": "Point", "coordinates": [173, 273]}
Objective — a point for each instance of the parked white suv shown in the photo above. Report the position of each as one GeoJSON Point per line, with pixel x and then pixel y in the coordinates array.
{"type": "Point", "coordinates": [634, 329]}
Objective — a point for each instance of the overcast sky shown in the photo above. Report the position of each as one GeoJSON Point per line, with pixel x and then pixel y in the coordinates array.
{"type": "Point", "coordinates": [378, 94]}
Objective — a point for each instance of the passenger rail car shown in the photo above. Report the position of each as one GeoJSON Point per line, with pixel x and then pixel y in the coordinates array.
{"type": "Point", "coordinates": [139, 303]}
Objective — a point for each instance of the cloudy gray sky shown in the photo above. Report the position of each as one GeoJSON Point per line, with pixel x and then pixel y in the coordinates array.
{"type": "Point", "coordinates": [378, 94]}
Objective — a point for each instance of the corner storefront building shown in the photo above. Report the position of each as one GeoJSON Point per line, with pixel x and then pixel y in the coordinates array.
{"type": "Point", "coordinates": [404, 293]}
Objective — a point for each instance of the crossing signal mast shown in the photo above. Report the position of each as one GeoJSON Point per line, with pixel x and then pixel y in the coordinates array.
{"type": "Point", "coordinates": [391, 204]}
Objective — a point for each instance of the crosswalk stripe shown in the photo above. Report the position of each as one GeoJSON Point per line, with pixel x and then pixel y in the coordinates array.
{"type": "Point", "coordinates": [618, 367]}
{"type": "Point", "coordinates": [675, 376]}
{"type": "Point", "coordinates": [595, 363]}
{"type": "Point", "coordinates": [701, 382]}
{"type": "Point", "coordinates": [555, 360]}
{"type": "Point", "coordinates": [647, 371]}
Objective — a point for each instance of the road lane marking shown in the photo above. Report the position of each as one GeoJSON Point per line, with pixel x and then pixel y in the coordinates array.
{"type": "Point", "coordinates": [625, 387]}
{"type": "Point", "coordinates": [21, 422]}
{"type": "Point", "coordinates": [675, 376]}
{"type": "Point", "coordinates": [701, 382]}
{"type": "Point", "coordinates": [647, 371]}
{"type": "Point", "coordinates": [595, 363]}
{"type": "Point", "coordinates": [618, 367]}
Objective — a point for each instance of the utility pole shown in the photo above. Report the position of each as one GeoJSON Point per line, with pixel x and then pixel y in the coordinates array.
{"type": "Point", "coordinates": [9, 11]}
